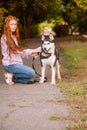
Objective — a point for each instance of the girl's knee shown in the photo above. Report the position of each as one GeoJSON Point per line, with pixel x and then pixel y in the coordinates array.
{"type": "Point", "coordinates": [33, 72]}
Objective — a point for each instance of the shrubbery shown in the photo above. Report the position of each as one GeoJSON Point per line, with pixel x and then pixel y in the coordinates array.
{"type": "Point", "coordinates": [61, 30]}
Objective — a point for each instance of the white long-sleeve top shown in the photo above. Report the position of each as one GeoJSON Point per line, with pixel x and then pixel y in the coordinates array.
{"type": "Point", "coordinates": [13, 58]}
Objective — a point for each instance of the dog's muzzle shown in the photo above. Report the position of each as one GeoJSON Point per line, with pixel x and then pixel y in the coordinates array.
{"type": "Point", "coordinates": [46, 50]}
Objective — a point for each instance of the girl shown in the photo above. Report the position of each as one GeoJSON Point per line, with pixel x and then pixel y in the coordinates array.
{"type": "Point", "coordinates": [13, 53]}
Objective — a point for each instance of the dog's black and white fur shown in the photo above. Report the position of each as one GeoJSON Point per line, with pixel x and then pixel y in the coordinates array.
{"type": "Point", "coordinates": [49, 56]}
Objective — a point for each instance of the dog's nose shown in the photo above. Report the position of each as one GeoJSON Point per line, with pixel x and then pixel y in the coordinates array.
{"type": "Point", "coordinates": [45, 48]}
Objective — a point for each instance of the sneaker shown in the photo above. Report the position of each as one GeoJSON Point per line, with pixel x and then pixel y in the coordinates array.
{"type": "Point", "coordinates": [9, 78]}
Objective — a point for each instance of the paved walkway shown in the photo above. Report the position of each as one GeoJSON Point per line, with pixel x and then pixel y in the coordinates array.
{"type": "Point", "coordinates": [29, 107]}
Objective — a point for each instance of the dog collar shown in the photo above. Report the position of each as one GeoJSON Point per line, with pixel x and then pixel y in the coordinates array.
{"type": "Point", "coordinates": [45, 55]}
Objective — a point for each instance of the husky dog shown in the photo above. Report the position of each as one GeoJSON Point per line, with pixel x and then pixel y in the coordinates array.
{"type": "Point", "coordinates": [49, 56]}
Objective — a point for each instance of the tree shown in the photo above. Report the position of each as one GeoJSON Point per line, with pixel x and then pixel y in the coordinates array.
{"type": "Point", "coordinates": [82, 4]}
{"type": "Point", "coordinates": [74, 15]}
{"type": "Point", "coordinates": [2, 17]}
{"type": "Point", "coordinates": [32, 12]}
{"type": "Point", "coordinates": [83, 20]}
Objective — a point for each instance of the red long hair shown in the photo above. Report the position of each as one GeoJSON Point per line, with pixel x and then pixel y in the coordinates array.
{"type": "Point", "coordinates": [7, 31]}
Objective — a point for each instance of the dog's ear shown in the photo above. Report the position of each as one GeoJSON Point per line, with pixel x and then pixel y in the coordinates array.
{"type": "Point", "coordinates": [51, 37]}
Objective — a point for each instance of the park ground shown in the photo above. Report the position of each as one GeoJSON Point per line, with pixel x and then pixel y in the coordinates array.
{"type": "Point", "coordinates": [43, 106]}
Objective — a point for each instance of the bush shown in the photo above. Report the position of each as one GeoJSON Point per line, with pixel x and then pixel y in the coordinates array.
{"type": "Point", "coordinates": [61, 30]}
{"type": "Point", "coordinates": [2, 12]}
{"type": "Point", "coordinates": [33, 31]}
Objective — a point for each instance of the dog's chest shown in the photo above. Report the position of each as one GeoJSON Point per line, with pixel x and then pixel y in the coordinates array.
{"type": "Point", "coordinates": [49, 61]}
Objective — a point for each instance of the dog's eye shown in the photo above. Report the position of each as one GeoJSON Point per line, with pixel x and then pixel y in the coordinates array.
{"type": "Point", "coordinates": [48, 43]}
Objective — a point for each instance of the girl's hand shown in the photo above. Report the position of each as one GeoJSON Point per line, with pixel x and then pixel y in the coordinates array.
{"type": "Point", "coordinates": [37, 50]}
{"type": "Point", "coordinates": [34, 55]}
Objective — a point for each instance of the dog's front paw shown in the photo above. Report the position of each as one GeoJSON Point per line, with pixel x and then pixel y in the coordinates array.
{"type": "Point", "coordinates": [41, 81]}
{"type": "Point", "coordinates": [59, 78]}
{"type": "Point", "coordinates": [53, 83]}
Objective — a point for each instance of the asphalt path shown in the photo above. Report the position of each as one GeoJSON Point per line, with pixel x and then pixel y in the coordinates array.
{"type": "Point", "coordinates": [32, 106]}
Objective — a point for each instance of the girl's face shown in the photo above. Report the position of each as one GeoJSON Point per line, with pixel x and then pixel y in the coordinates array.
{"type": "Point", "coordinates": [13, 25]}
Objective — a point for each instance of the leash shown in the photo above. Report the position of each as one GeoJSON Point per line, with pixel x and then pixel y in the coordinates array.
{"type": "Point", "coordinates": [33, 66]}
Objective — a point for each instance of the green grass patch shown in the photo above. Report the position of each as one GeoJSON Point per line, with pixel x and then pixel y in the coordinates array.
{"type": "Point", "coordinates": [75, 53]}
{"type": "Point", "coordinates": [72, 88]}
{"type": "Point", "coordinates": [54, 117]}
{"type": "Point", "coordinates": [74, 81]}
{"type": "Point", "coordinates": [77, 126]}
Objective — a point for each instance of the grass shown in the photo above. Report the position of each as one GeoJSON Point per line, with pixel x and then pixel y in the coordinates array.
{"type": "Point", "coordinates": [75, 53]}
{"type": "Point", "coordinates": [74, 81]}
{"type": "Point", "coordinates": [54, 117]}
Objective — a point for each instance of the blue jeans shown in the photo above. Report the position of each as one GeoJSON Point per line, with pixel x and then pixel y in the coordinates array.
{"type": "Point", "coordinates": [22, 73]}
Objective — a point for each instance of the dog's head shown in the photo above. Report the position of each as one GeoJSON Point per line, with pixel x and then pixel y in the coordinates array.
{"type": "Point", "coordinates": [47, 41]}
{"type": "Point", "coordinates": [48, 46]}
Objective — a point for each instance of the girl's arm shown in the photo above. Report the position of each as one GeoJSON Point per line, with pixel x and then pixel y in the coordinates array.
{"type": "Point", "coordinates": [4, 48]}
{"type": "Point", "coordinates": [37, 50]}
{"type": "Point", "coordinates": [31, 52]}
